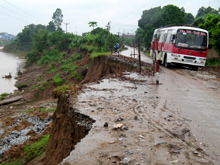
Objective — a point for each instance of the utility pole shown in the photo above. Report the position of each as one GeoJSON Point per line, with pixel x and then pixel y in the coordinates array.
{"type": "Point", "coordinates": [66, 26]}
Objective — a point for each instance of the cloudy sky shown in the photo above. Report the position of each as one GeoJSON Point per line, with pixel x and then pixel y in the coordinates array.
{"type": "Point", "coordinates": [123, 14]}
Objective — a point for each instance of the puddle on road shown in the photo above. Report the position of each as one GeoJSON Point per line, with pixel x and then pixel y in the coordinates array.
{"type": "Point", "coordinates": [134, 84]}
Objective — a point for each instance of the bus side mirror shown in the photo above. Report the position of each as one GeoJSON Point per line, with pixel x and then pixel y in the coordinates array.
{"type": "Point", "coordinates": [210, 46]}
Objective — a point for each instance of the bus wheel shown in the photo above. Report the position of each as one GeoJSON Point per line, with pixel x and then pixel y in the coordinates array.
{"type": "Point", "coordinates": [195, 68]}
{"type": "Point", "coordinates": [167, 65]}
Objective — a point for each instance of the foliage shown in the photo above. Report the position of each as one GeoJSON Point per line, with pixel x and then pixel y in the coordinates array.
{"type": "Point", "coordinates": [58, 18]}
{"type": "Point", "coordinates": [92, 24]}
{"type": "Point", "coordinates": [198, 21]}
{"type": "Point", "coordinates": [51, 26]}
{"type": "Point", "coordinates": [212, 24]}
{"type": "Point", "coordinates": [40, 40]}
{"type": "Point", "coordinates": [60, 90]}
{"type": "Point", "coordinates": [189, 18]}
{"type": "Point", "coordinates": [96, 54]}
{"type": "Point", "coordinates": [25, 39]}
{"type": "Point", "coordinates": [21, 86]}
{"type": "Point", "coordinates": [203, 12]}
{"type": "Point", "coordinates": [213, 62]}
{"type": "Point", "coordinates": [57, 80]}
{"type": "Point", "coordinates": [155, 18]}
{"type": "Point", "coordinates": [202, 15]}
{"type": "Point", "coordinates": [36, 149]}
{"type": "Point", "coordinates": [3, 95]}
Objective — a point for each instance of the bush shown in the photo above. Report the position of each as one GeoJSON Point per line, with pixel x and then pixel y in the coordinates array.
{"type": "Point", "coordinates": [60, 90]}
{"type": "Point", "coordinates": [213, 62]}
{"type": "Point", "coordinates": [57, 80]}
{"type": "Point", "coordinates": [75, 57]}
{"type": "Point", "coordinates": [32, 57]}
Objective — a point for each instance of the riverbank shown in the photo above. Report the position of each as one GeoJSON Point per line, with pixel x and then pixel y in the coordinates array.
{"type": "Point", "coordinates": [37, 92]}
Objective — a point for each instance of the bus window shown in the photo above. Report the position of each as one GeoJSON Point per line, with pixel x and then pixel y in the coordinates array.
{"type": "Point", "coordinates": [191, 39]}
{"type": "Point", "coordinates": [161, 36]}
{"type": "Point", "coordinates": [169, 36]}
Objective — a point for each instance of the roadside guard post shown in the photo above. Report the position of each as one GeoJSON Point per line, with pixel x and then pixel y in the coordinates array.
{"type": "Point", "coordinates": [156, 60]}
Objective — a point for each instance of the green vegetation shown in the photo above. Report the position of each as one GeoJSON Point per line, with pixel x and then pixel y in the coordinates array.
{"type": "Point", "coordinates": [60, 90]}
{"type": "Point", "coordinates": [21, 86]}
{"type": "Point", "coordinates": [57, 80]}
{"type": "Point", "coordinates": [3, 95]}
{"type": "Point", "coordinates": [31, 151]}
{"type": "Point", "coordinates": [213, 62]}
{"type": "Point", "coordinates": [212, 24]}
{"type": "Point", "coordinates": [36, 149]}
{"type": "Point", "coordinates": [173, 15]}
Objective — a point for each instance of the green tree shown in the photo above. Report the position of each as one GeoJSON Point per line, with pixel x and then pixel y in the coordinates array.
{"type": "Point", "coordinates": [189, 18]}
{"type": "Point", "coordinates": [212, 24]}
{"type": "Point", "coordinates": [92, 24]}
{"type": "Point", "coordinates": [203, 12]}
{"type": "Point", "coordinates": [51, 26]}
{"type": "Point", "coordinates": [58, 18]}
{"type": "Point", "coordinates": [198, 21]}
{"type": "Point", "coordinates": [157, 17]}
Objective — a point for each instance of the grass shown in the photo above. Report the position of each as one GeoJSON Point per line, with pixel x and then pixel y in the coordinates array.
{"type": "Point", "coordinates": [96, 54]}
{"type": "Point", "coordinates": [31, 151]}
{"type": "Point", "coordinates": [36, 149]}
{"type": "Point", "coordinates": [3, 95]}
{"type": "Point", "coordinates": [60, 90]}
{"type": "Point", "coordinates": [44, 110]}
{"type": "Point", "coordinates": [57, 80]}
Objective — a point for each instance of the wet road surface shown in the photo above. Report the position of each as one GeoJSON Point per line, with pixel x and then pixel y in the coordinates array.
{"type": "Point", "coordinates": [174, 122]}
{"type": "Point", "coordinates": [193, 98]}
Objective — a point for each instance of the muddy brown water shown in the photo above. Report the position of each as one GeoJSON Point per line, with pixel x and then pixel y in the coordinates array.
{"type": "Point", "coordinates": [9, 63]}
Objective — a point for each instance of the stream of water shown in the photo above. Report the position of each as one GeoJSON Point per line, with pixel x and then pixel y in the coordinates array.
{"type": "Point", "coordinates": [9, 63]}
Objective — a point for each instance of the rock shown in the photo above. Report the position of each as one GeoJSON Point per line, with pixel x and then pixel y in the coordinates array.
{"type": "Point", "coordinates": [117, 126]}
{"type": "Point", "coordinates": [125, 128]}
{"type": "Point", "coordinates": [106, 124]}
{"type": "Point", "coordinates": [100, 108]}
{"type": "Point", "coordinates": [129, 152]}
{"type": "Point", "coordinates": [174, 161]}
{"type": "Point", "coordinates": [121, 139]}
{"type": "Point", "coordinates": [125, 161]}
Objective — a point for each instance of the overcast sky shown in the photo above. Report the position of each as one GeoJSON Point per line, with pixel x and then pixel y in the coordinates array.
{"type": "Point", "coordinates": [123, 14]}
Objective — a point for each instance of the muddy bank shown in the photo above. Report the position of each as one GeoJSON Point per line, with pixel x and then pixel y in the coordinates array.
{"type": "Point", "coordinates": [104, 66]}
{"type": "Point", "coordinates": [69, 127]}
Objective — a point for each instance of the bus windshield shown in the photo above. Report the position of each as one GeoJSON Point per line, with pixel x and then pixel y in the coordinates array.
{"type": "Point", "coordinates": [191, 39]}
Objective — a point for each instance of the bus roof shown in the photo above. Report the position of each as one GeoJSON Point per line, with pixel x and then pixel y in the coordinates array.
{"type": "Point", "coordinates": [182, 27]}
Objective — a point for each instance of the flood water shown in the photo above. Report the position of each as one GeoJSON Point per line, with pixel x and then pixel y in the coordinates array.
{"type": "Point", "coordinates": [9, 63]}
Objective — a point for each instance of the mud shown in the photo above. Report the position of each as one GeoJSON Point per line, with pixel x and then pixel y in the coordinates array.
{"type": "Point", "coordinates": [130, 128]}
{"type": "Point", "coordinates": [69, 127]}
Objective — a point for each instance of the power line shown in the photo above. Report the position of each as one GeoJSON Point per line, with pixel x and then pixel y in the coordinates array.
{"type": "Point", "coordinates": [24, 12]}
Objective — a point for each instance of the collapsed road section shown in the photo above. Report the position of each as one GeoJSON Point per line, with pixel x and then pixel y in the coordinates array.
{"type": "Point", "coordinates": [130, 128]}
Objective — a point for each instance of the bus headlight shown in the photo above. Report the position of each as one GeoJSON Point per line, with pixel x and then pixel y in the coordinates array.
{"type": "Point", "coordinates": [175, 55]}
{"type": "Point", "coordinates": [202, 59]}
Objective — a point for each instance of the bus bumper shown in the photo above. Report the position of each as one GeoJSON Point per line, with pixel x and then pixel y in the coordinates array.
{"type": "Point", "coordinates": [186, 59]}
